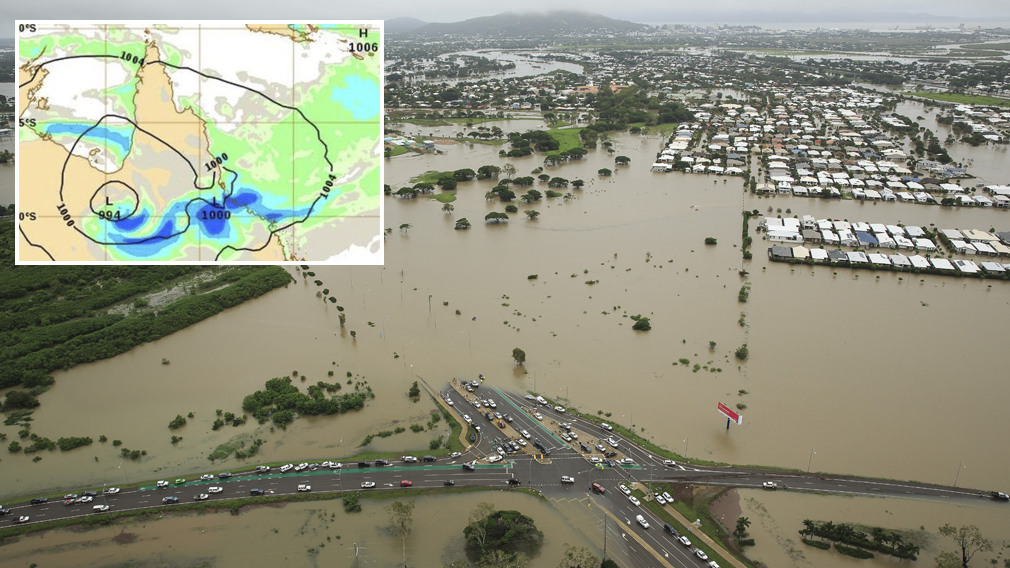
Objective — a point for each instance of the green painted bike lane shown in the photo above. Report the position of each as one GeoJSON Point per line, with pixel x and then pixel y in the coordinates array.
{"type": "Point", "coordinates": [199, 482]}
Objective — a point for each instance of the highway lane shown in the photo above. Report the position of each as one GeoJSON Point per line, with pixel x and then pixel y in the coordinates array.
{"type": "Point", "coordinates": [628, 543]}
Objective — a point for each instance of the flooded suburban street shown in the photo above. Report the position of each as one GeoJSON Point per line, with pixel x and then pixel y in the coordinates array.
{"type": "Point", "coordinates": [296, 534]}
{"type": "Point", "coordinates": [896, 378]}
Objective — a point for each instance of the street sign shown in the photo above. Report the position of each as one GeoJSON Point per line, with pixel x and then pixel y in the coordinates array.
{"type": "Point", "coordinates": [730, 414]}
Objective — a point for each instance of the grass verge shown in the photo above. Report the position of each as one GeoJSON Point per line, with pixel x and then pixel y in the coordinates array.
{"type": "Point", "coordinates": [697, 543]}
{"type": "Point", "coordinates": [444, 197]}
{"type": "Point", "coordinates": [963, 99]}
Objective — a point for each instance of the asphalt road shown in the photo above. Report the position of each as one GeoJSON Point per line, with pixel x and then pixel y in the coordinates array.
{"type": "Point", "coordinates": [627, 542]}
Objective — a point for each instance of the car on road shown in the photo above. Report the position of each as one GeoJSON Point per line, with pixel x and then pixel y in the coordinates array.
{"type": "Point", "coordinates": [201, 497]}
{"type": "Point", "coordinates": [476, 403]}
{"type": "Point", "coordinates": [364, 464]}
{"type": "Point", "coordinates": [530, 397]}
{"type": "Point", "coordinates": [85, 499]}
{"type": "Point", "coordinates": [567, 479]}
{"type": "Point", "coordinates": [683, 540]}
{"type": "Point", "coordinates": [4, 512]}
{"type": "Point", "coordinates": [538, 416]}
{"type": "Point", "coordinates": [90, 494]}
{"type": "Point", "coordinates": [469, 388]}
{"type": "Point", "coordinates": [180, 481]}
{"type": "Point", "coordinates": [573, 435]}
{"type": "Point", "coordinates": [494, 459]}
{"type": "Point", "coordinates": [626, 461]}
{"type": "Point", "coordinates": [595, 460]}
{"type": "Point", "coordinates": [769, 485]}
{"type": "Point", "coordinates": [560, 409]}
{"type": "Point", "coordinates": [508, 417]}
{"type": "Point", "coordinates": [597, 488]}
{"type": "Point", "coordinates": [112, 491]}
{"type": "Point", "coordinates": [304, 488]}
{"type": "Point", "coordinates": [449, 402]}
{"type": "Point", "coordinates": [634, 501]}
{"type": "Point", "coordinates": [336, 465]}
{"type": "Point", "coordinates": [641, 520]}
{"type": "Point", "coordinates": [610, 454]}
{"type": "Point", "coordinates": [585, 448]}
{"type": "Point", "coordinates": [669, 528]}
{"type": "Point", "coordinates": [469, 467]}
{"type": "Point", "coordinates": [566, 437]}
{"type": "Point", "coordinates": [367, 484]}
{"type": "Point", "coordinates": [21, 519]}
{"type": "Point", "coordinates": [454, 455]}
{"type": "Point", "coordinates": [99, 508]}
{"type": "Point", "coordinates": [489, 416]}
{"type": "Point", "coordinates": [286, 468]}
{"type": "Point", "coordinates": [669, 463]}
{"type": "Point", "coordinates": [161, 483]}
{"type": "Point", "coordinates": [405, 483]}
{"type": "Point", "coordinates": [485, 403]}
{"type": "Point", "coordinates": [610, 462]}
{"type": "Point", "coordinates": [513, 481]}
{"type": "Point", "coordinates": [69, 501]}
{"type": "Point", "coordinates": [612, 442]}
{"type": "Point", "coordinates": [660, 500]}
{"type": "Point", "coordinates": [429, 458]}
{"type": "Point", "coordinates": [215, 490]}
{"type": "Point", "coordinates": [381, 462]}
{"type": "Point", "coordinates": [40, 500]}
{"type": "Point", "coordinates": [302, 466]}
{"type": "Point", "coordinates": [262, 468]}
{"type": "Point", "coordinates": [501, 424]}
{"type": "Point", "coordinates": [713, 564]}
{"type": "Point", "coordinates": [256, 491]}
{"type": "Point", "coordinates": [624, 489]}
{"type": "Point", "coordinates": [170, 500]}
{"type": "Point", "coordinates": [492, 403]}
{"type": "Point", "coordinates": [206, 477]}
{"type": "Point", "coordinates": [700, 554]}
{"type": "Point", "coordinates": [224, 475]}
{"type": "Point", "coordinates": [448, 482]}
{"type": "Point", "coordinates": [601, 448]}
{"type": "Point", "coordinates": [498, 415]}
{"type": "Point", "coordinates": [409, 459]}
{"type": "Point", "coordinates": [525, 434]}
{"type": "Point", "coordinates": [466, 417]}
{"type": "Point", "coordinates": [606, 427]}
{"type": "Point", "coordinates": [999, 496]}
{"type": "Point", "coordinates": [521, 442]}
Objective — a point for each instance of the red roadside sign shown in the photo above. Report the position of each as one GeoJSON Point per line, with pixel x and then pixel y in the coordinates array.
{"type": "Point", "coordinates": [730, 414]}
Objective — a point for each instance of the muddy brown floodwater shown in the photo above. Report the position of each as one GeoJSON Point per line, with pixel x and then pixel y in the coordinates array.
{"type": "Point", "coordinates": [898, 377]}
{"type": "Point", "coordinates": [777, 517]}
{"type": "Point", "coordinates": [297, 534]}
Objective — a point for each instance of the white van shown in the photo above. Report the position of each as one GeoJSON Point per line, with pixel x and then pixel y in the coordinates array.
{"type": "Point", "coordinates": [100, 508]}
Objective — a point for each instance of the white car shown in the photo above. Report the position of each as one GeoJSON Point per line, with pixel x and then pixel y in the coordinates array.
{"type": "Point", "coordinates": [521, 442]}
{"type": "Point", "coordinates": [700, 554]}
{"type": "Point", "coordinates": [21, 519]}
{"type": "Point", "coordinates": [567, 479]}
{"type": "Point", "coordinates": [626, 461]}
{"type": "Point", "coordinates": [201, 497]}
{"type": "Point", "coordinates": [467, 418]}
{"type": "Point", "coordinates": [641, 520]}
{"type": "Point", "coordinates": [112, 490]}
{"type": "Point", "coordinates": [634, 501]}
{"type": "Point", "coordinates": [624, 489]}
{"type": "Point", "coordinates": [669, 463]}
{"type": "Point", "coordinates": [286, 468]}
{"type": "Point", "coordinates": [560, 409]}
{"type": "Point", "coordinates": [769, 485]}
{"type": "Point", "coordinates": [301, 466]}
{"type": "Point", "coordinates": [87, 499]}
{"type": "Point", "coordinates": [612, 442]}
{"type": "Point", "coordinates": [660, 500]}
{"type": "Point", "coordinates": [566, 437]}
{"type": "Point", "coordinates": [99, 508]}
{"type": "Point", "coordinates": [454, 455]}
{"type": "Point", "coordinates": [713, 564]}
{"type": "Point", "coordinates": [538, 416]}
{"type": "Point", "coordinates": [449, 401]}
{"type": "Point", "coordinates": [573, 435]}
{"type": "Point", "coordinates": [206, 477]}
{"type": "Point", "coordinates": [215, 490]}
{"type": "Point", "coordinates": [595, 460]}
{"type": "Point", "coordinates": [494, 459]}
{"type": "Point", "coordinates": [162, 483]}
{"type": "Point", "coordinates": [491, 403]}
{"type": "Point", "coordinates": [525, 434]}
{"type": "Point", "coordinates": [476, 403]}
{"type": "Point", "coordinates": [668, 497]}
{"type": "Point", "coordinates": [530, 397]}
{"type": "Point", "coordinates": [409, 459]}
{"type": "Point", "coordinates": [303, 488]}
{"type": "Point", "coordinates": [367, 484]}
{"type": "Point", "coordinates": [336, 465]}
{"type": "Point", "coordinates": [683, 540]}
{"type": "Point", "coordinates": [606, 427]}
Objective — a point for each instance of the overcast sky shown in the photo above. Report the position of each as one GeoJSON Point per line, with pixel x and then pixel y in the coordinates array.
{"type": "Point", "coordinates": [646, 11]}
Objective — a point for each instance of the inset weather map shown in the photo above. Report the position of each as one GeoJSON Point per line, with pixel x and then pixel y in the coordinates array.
{"type": "Point", "coordinates": [191, 142]}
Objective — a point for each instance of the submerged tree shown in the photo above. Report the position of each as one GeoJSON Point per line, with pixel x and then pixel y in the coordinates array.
{"type": "Point", "coordinates": [519, 355]}
{"type": "Point", "coordinates": [968, 538]}
{"type": "Point", "coordinates": [401, 518]}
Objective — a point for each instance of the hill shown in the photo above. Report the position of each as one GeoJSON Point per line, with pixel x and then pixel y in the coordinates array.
{"type": "Point", "coordinates": [402, 25]}
{"type": "Point", "coordinates": [530, 24]}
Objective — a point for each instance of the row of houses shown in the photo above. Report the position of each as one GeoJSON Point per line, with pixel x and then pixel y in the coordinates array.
{"type": "Point", "coordinates": [897, 260]}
